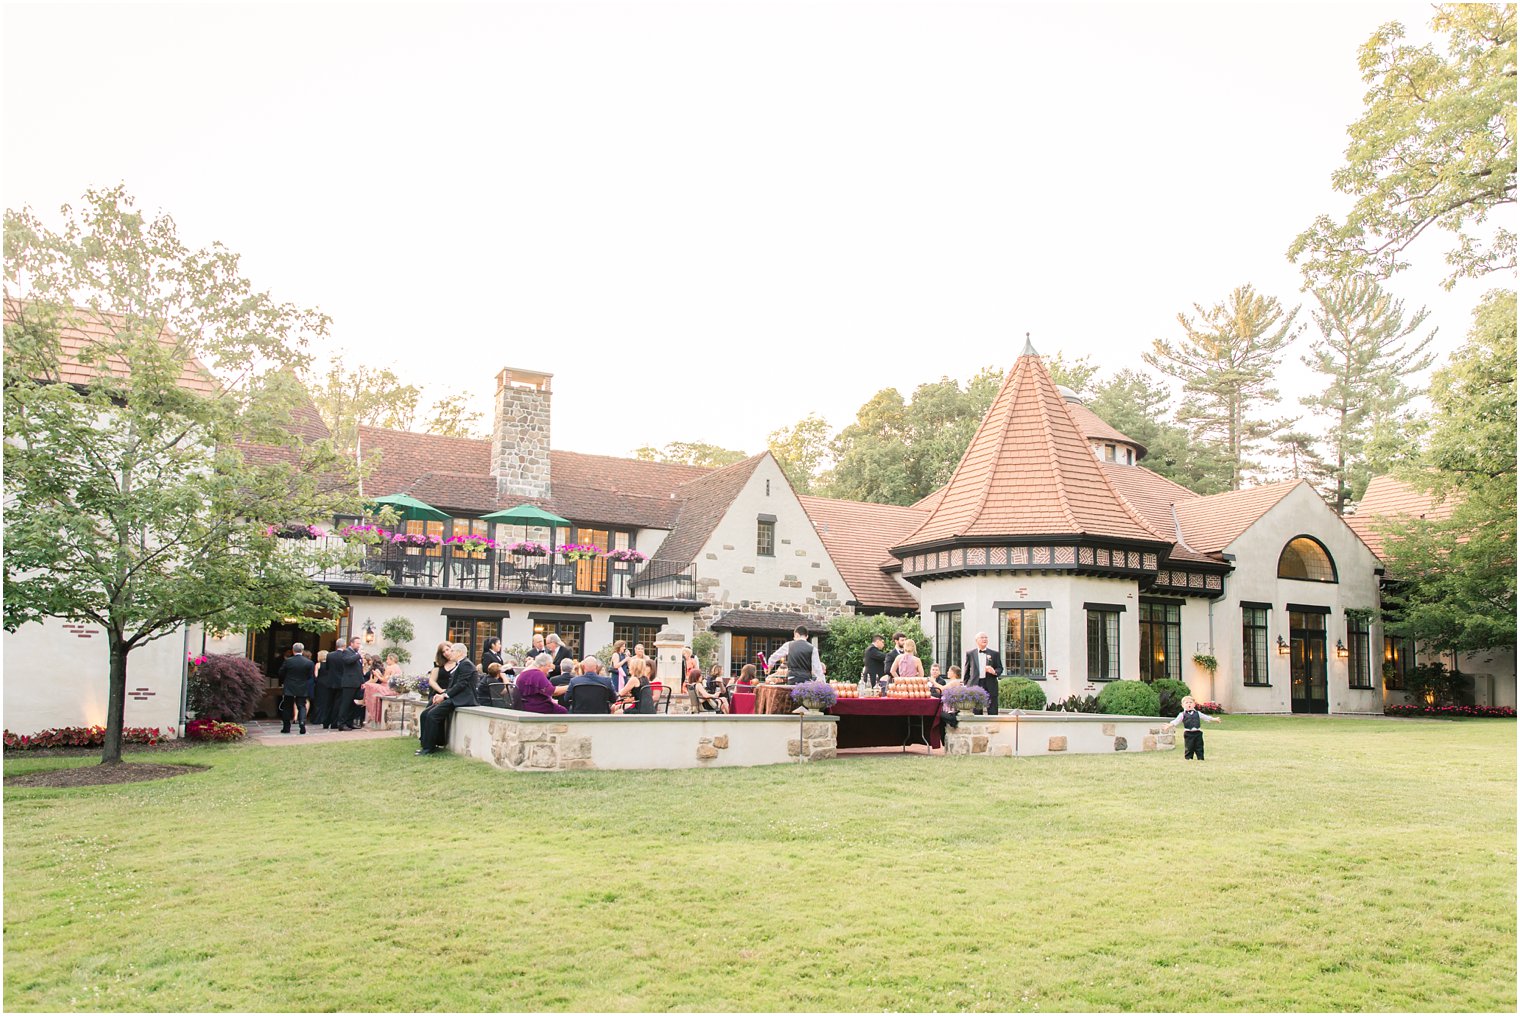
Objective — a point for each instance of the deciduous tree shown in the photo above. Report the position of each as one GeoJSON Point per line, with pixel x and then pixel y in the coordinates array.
{"type": "Point", "coordinates": [690, 453]}
{"type": "Point", "coordinates": [801, 450]}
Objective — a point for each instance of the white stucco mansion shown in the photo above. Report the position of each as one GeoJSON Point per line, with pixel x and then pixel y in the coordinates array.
{"type": "Point", "coordinates": [1082, 565]}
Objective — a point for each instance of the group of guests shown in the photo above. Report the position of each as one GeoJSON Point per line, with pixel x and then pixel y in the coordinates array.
{"type": "Point", "coordinates": [980, 668]}
{"type": "Point", "coordinates": [340, 689]}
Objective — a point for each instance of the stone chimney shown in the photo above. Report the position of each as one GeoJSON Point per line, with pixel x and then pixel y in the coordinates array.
{"type": "Point", "coordinates": [520, 437]}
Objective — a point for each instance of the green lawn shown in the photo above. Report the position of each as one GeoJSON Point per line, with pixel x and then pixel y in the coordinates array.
{"type": "Point", "coordinates": [1310, 864]}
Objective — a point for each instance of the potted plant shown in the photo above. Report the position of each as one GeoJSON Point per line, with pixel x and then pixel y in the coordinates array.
{"type": "Point", "coordinates": [814, 696]}
{"type": "Point", "coordinates": [527, 548]}
{"type": "Point", "coordinates": [1207, 662]}
{"type": "Point", "coordinates": [293, 531]}
{"type": "Point", "coordinates": [965, 699]}
{"type": "Point", "coordinates": [627, 556]}
{"type": "Point", "coordinates": [579, 551]}
{"type": "Point", "coordinates": [470, 542]}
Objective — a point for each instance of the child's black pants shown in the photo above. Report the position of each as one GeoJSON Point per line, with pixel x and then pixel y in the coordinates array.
{"type": "Point", "coordinates": [1193, 741]}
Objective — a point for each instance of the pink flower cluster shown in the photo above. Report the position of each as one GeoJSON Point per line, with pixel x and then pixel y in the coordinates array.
{"type": "Point", "coordinates": [634, 556]}
{"type": "Point", "coordinates": [1487, 712]}
{"type": "Point", "coordinates": [377, 534]}
{"type": "Point", "coordinates": [579, 548]}
{"type": "Point", "coordinates": [79, 737]}
{"type": "Point", "coordinates": [196, 659]}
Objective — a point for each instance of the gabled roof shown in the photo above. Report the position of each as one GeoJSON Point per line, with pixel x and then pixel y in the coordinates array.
{"type": "Point", "coordinates": [85, 328]}
{"type": "Point", "coordinates": [857, 535]}
{"type": "Point", "coordinates": [1388, 498]}
{"type": "Point", "coordinates": [703, 502]}
{"type": "Point", "coordinates": [1095, 428]}
{"type": "Point", "coordinates": [1029, 472]}
{"type": "Point", "coordinates": [1212, 523]}
{"type": "Point", "coordinates": [455, 473]}
{"type": "Point", "coordinates": [1153, 497]}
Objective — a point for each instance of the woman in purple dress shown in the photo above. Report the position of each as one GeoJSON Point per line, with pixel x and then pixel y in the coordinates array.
{"type": "Point", "coordinates": [534, 693]}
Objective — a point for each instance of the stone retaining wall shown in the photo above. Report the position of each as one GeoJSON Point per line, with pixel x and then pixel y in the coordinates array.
{"type": "Point", "coordinates": [533, 742]}
{"type": "Point", "coordinates": [1042, 733]}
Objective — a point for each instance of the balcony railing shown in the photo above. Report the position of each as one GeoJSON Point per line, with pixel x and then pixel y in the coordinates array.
{"type": "Point", "coordinates": [501, 572]}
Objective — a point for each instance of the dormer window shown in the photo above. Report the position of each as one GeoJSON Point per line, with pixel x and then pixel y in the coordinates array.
{"type": "Point", "coordinates": [1108, 453]}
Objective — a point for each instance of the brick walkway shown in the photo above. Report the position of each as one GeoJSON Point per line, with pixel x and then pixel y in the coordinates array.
{"type": "Point", "coordinates": [268, 732]}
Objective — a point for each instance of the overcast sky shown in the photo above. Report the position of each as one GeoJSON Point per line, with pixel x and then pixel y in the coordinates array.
{"type": "Point", "coordinates": [708, 220]}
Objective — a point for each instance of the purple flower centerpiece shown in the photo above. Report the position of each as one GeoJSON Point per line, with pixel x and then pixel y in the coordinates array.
{"type": "Point", "coordinates": [965, 698]}
{"type": "Point", "coordinates": [814, 695]}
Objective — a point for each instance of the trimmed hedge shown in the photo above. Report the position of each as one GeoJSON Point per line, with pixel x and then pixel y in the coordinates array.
{"type": "Point", "coordinates": [1129, 698]}
{"type": "Point", "coordinates": [1172, 693]}
{"type": "Point", "coordinates": [1020, 693]}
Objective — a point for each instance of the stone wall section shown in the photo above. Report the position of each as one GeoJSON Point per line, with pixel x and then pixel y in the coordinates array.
{"type": "Point", "coordinates": [1056, 733]}
{"type": "Point", "coordinates": [520, 434]}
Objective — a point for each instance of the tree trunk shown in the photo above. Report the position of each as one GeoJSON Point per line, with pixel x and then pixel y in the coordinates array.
{"type": "Point", "coordinates": [116, 703]}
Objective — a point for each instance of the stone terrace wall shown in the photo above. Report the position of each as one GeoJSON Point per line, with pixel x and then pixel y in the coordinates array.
{"type": "Point", "coordinates": [1053, 733]}
{"type": "Point", "coordinates": [532, 742]}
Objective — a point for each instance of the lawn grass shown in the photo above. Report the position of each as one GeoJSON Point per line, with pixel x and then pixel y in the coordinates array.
{"type": "Point", "coordinates": [1310, 864]}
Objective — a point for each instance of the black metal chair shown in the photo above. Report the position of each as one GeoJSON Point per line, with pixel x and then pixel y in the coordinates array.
{"type": "Point", "coordinates": [592, 699]}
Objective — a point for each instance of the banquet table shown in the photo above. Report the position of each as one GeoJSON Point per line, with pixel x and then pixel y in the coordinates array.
{"type": "Point", "coordinates": [773, 698]}
{"type": "Point", "coordinates": [887, 722]}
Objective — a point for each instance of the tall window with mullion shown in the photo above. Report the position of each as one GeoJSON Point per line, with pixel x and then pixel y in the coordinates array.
{"type": "Point", "coordinates": [1359, 650]}
{"type": "Point", "coordinates": [1160, 641]}
{"type": "Point", "coordinates": [765, 538]}
{"type": "Point", "coordinates": [1023, 641]}
{"type": "Point", "coordinates": [473, 632]}
{"type": "Point", "coordinates": [1103, 645]}
{"type": "Point", "coordinates": [636, 634]}
{"type": "Point", "coordinates": [1254, 643]}
{"type": "Point", "coordinates": [947, 638]}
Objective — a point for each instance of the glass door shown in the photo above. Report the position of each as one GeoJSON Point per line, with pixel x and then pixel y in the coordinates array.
{"type": "Point", "coordinates": [1311, 692]}
{"type": "Point", "coordinates": [591, 572]}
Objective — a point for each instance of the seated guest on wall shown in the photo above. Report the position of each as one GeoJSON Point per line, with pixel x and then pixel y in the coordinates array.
{"type": "Point", "coordinates": [437, 682]}
{"type": "Point", "coordinates": [462, 676]}
{"type": "Point", "coordinates": [636, 696]}
{"type": "Point", "coordinates": [374, 689]}
{"type": "Point", "coordinates": [533, 693]}
{"type": "Point", "coordinates": [590, 691]}
{"type": "Point", "coordinates": [936, 679]}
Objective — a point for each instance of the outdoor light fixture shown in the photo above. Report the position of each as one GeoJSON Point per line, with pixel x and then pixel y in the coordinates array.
{"type": "Point", "coordinates": [1341, 652]}
{"type": "Point", "coordinates": [369, 630]}
{"type": "Point", "coordinates": [1282, 647]}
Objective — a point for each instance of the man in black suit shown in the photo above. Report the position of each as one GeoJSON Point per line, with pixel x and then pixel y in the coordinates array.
{"type": "Point", "coordinates": [346, 667]}
{"type": "Point", "coordinates": [559, 653]}
{"type": "Point", "coordinates": [876, 659]}
{"type": "Point", "coordinates": [296, 676]}
{"type": "Point", "coordinates": [461, 692]}
{"type": "Point", "coordinates": [590, 692]}
{"type": "Point", "coordinates": [894, 652]}
{"type": "Point", "coordinates": [981, 669]}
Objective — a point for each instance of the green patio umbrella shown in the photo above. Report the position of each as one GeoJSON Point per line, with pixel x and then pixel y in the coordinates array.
{"type": "Point", "coordinates": [526, 515]}
{"type": "Point", "coordinates": [411, 509]}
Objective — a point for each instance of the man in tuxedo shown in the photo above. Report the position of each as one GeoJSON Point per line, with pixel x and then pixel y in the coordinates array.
{"type": "Point", "coordinates": [346, 668]}
{"type": "Point", "coordinates": [876, 659]}
{"type": "Point", "coordinates": [558, 653]}
{"type": "Point", "coordinates": [296, 675]}
{"type": "Point", "coordinates": [590, 692]}
{"type": "Point", "coordinates": [461, 692]}
{"type": "Point", "coordinates": [894, 652]}
{"type": "Point", "coordinates": [982, 668]}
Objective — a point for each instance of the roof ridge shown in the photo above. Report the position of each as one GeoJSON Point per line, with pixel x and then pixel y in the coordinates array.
{"type": "Point", "coordinates": [1055, 458]}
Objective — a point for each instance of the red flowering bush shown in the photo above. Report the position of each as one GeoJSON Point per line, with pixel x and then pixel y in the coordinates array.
{"type": "Point", "coordinates": [80, 737]}
{"type": "Point", "coordinates": [1487, 712]}
{"type": "Point", "coordinates": [1211, 708]}
{"type": "Point", "coordinates": [215, 730]}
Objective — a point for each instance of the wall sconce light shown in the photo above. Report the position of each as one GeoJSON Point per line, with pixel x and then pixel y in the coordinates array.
{"type": "Point", "coordinates": [1282, 647]}
{"type": "Point", "coordinates": [1341, 652]}
{"type": "Point", "coordinates": [369, 630]}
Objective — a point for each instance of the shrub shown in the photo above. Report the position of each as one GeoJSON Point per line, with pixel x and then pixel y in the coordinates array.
{"type": "Point", "coordinates": [1491, 712]}
{"type": "Point", "coordinates": [1433, 683]}
{"type": "Point", "coordinates": [398, 633]}
{"type": "Point", "coordinates": [226, 687]}
{"type": "Point", "coordinates": [1077, 704]}
{"type": "Point", "coordinates": [1020, 693]}
{"type": "Point", "coordinates": [844, 651]}
{"type": "Point", "coordinates": [1212, 708]}
{"type": "Point", "coordinates": [79, 737]}
{"type": "Point", "coordinates": [965, 697]}
{"type": "Point", "coordinates": [214, 730]}
{"type": "Point", "coordinates": [1129, 698]}
{"type": "Point", "coordinates": [1171, 694]}
{"type": "Point", "coordinates": [705, 646]}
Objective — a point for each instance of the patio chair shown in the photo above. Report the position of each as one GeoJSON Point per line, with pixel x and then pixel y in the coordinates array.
{"type": "Point", "coordinates": [594, 699]}
{"type": "Point", "coordinates": [743, 700]}
{"type": "Point", "coordinates": [496, 695]}
{"type": "Point", "coordinates": [661, 696]}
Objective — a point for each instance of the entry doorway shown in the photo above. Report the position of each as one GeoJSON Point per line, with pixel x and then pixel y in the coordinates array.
{"type": "Point", "coordinates": [268, 649]}
{"type": "Point", "coordinates": [1311, 687]}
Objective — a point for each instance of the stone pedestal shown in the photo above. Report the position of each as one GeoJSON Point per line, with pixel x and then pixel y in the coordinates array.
{"type": "Point", "coordinates": [670, 659]}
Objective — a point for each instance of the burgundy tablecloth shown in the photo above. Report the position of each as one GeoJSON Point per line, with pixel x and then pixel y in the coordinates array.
{"type": "Point", "coordinates": [882, 722]}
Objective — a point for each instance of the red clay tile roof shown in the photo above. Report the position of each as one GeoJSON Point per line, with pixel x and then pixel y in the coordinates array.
{"type": "Point", "coordinates": [1388, 498]}
{"type": "Point", "coordinates": [86, 328]}
{"type": "Point", "coordinates": [1095, 428]}
{"type": "Point", "coordinates": [1029, 471]}
{"type": "Point", "coordinates": [930, 501]}
{"type": "Point", "coordinates": [857, 536]}
{"type": "Point", "coordinates": [1212, 523]}
{"type": "Point", "coordinates": [703, 503]}
{"type": "Point", "coordinates": [777, 621]}
{"type": "Point", "coordinates": [305, 423]}
{"type": "Point", "coordinates": [1153, 496]}
{"type": "Point", "coordinates": [454, 474]}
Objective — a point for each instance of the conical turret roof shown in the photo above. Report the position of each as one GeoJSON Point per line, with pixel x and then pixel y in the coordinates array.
{"type": "Point", "coordinates": [1028, 473]}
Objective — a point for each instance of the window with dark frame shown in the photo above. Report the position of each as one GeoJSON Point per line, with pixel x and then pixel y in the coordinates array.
{"type": "Point", "coordinates": [1254, 641]}
{"type": "Point", "coordinates": [1359, 651]}
{"type": "Point", "coordinates": [1400, 653]}
{"type": "Point", "coordinates": [1102, 645]}
{"type": "Point", "coordinates": [765, 538]}
{"type": "Point", "coordinates": [1306, 558]}
{"type": "Point", "coordinates": [571, 633]}
{"type": "Point", "coordinates": [473, 632]}
{"type": "Point", "coordinates": [1160, 641]}
{"type": "Point", "coordinates": [744, 645]}
{"type": "Point", "coordinates": [634, 634]}
{"type": "Point", "coordinates": [1023, 632]}
{"type": "Point", "coordinates": [947, 638]}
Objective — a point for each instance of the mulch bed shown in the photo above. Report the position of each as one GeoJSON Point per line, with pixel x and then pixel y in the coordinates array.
{"type": "Point", "coordinates": [127, 749]}
{"type": "Point", "coordinates": [95, 776]}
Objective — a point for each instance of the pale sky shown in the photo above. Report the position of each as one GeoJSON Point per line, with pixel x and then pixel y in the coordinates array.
{"type": "Point", "coordinates": [707, 220]}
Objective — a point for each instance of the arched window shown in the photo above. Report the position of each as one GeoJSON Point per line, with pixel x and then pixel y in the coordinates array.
{"type": "Point", "coordinates": [1306, 558]}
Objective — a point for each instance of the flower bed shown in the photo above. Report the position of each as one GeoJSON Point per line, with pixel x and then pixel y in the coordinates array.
{"type": "Point", "coordinates": [1210, 708]}
{"type": "Point", "coordinates": [1487, 712]}
{"type": "Point", "coordinates": [80, 737]}
{"type": "Point", "coordinates": [215, 730]}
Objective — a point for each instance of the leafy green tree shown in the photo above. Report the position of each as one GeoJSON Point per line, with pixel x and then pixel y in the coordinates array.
{"type": "Point", "coordinates": [801, 450]}
{"type": "Point", "coordinates": [1226, 363]}
{"type": "Point", "coordinates": [1435, 146]}
{"type": "Point", "coordinates": [348, 398]}
{"type": "Point", "coordinates": [130, 501]}
{"type": "Point", "coordinates": [1079, 375]}
{"type": "Point", "coordinates": [1138, 406]}
{"type": "Point", "coordinates": [844, 650]}
{"type": "Point", "coordinates": [451, 416]}
{"type": "Point", "coordinates": [1365, 350]}
{"type": "Point", "coordinates": [690, 453]}
{"type": "Point", "coordinates": [1303, 460]}
{"type": "Point", "coordinates": [1455, 587]}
